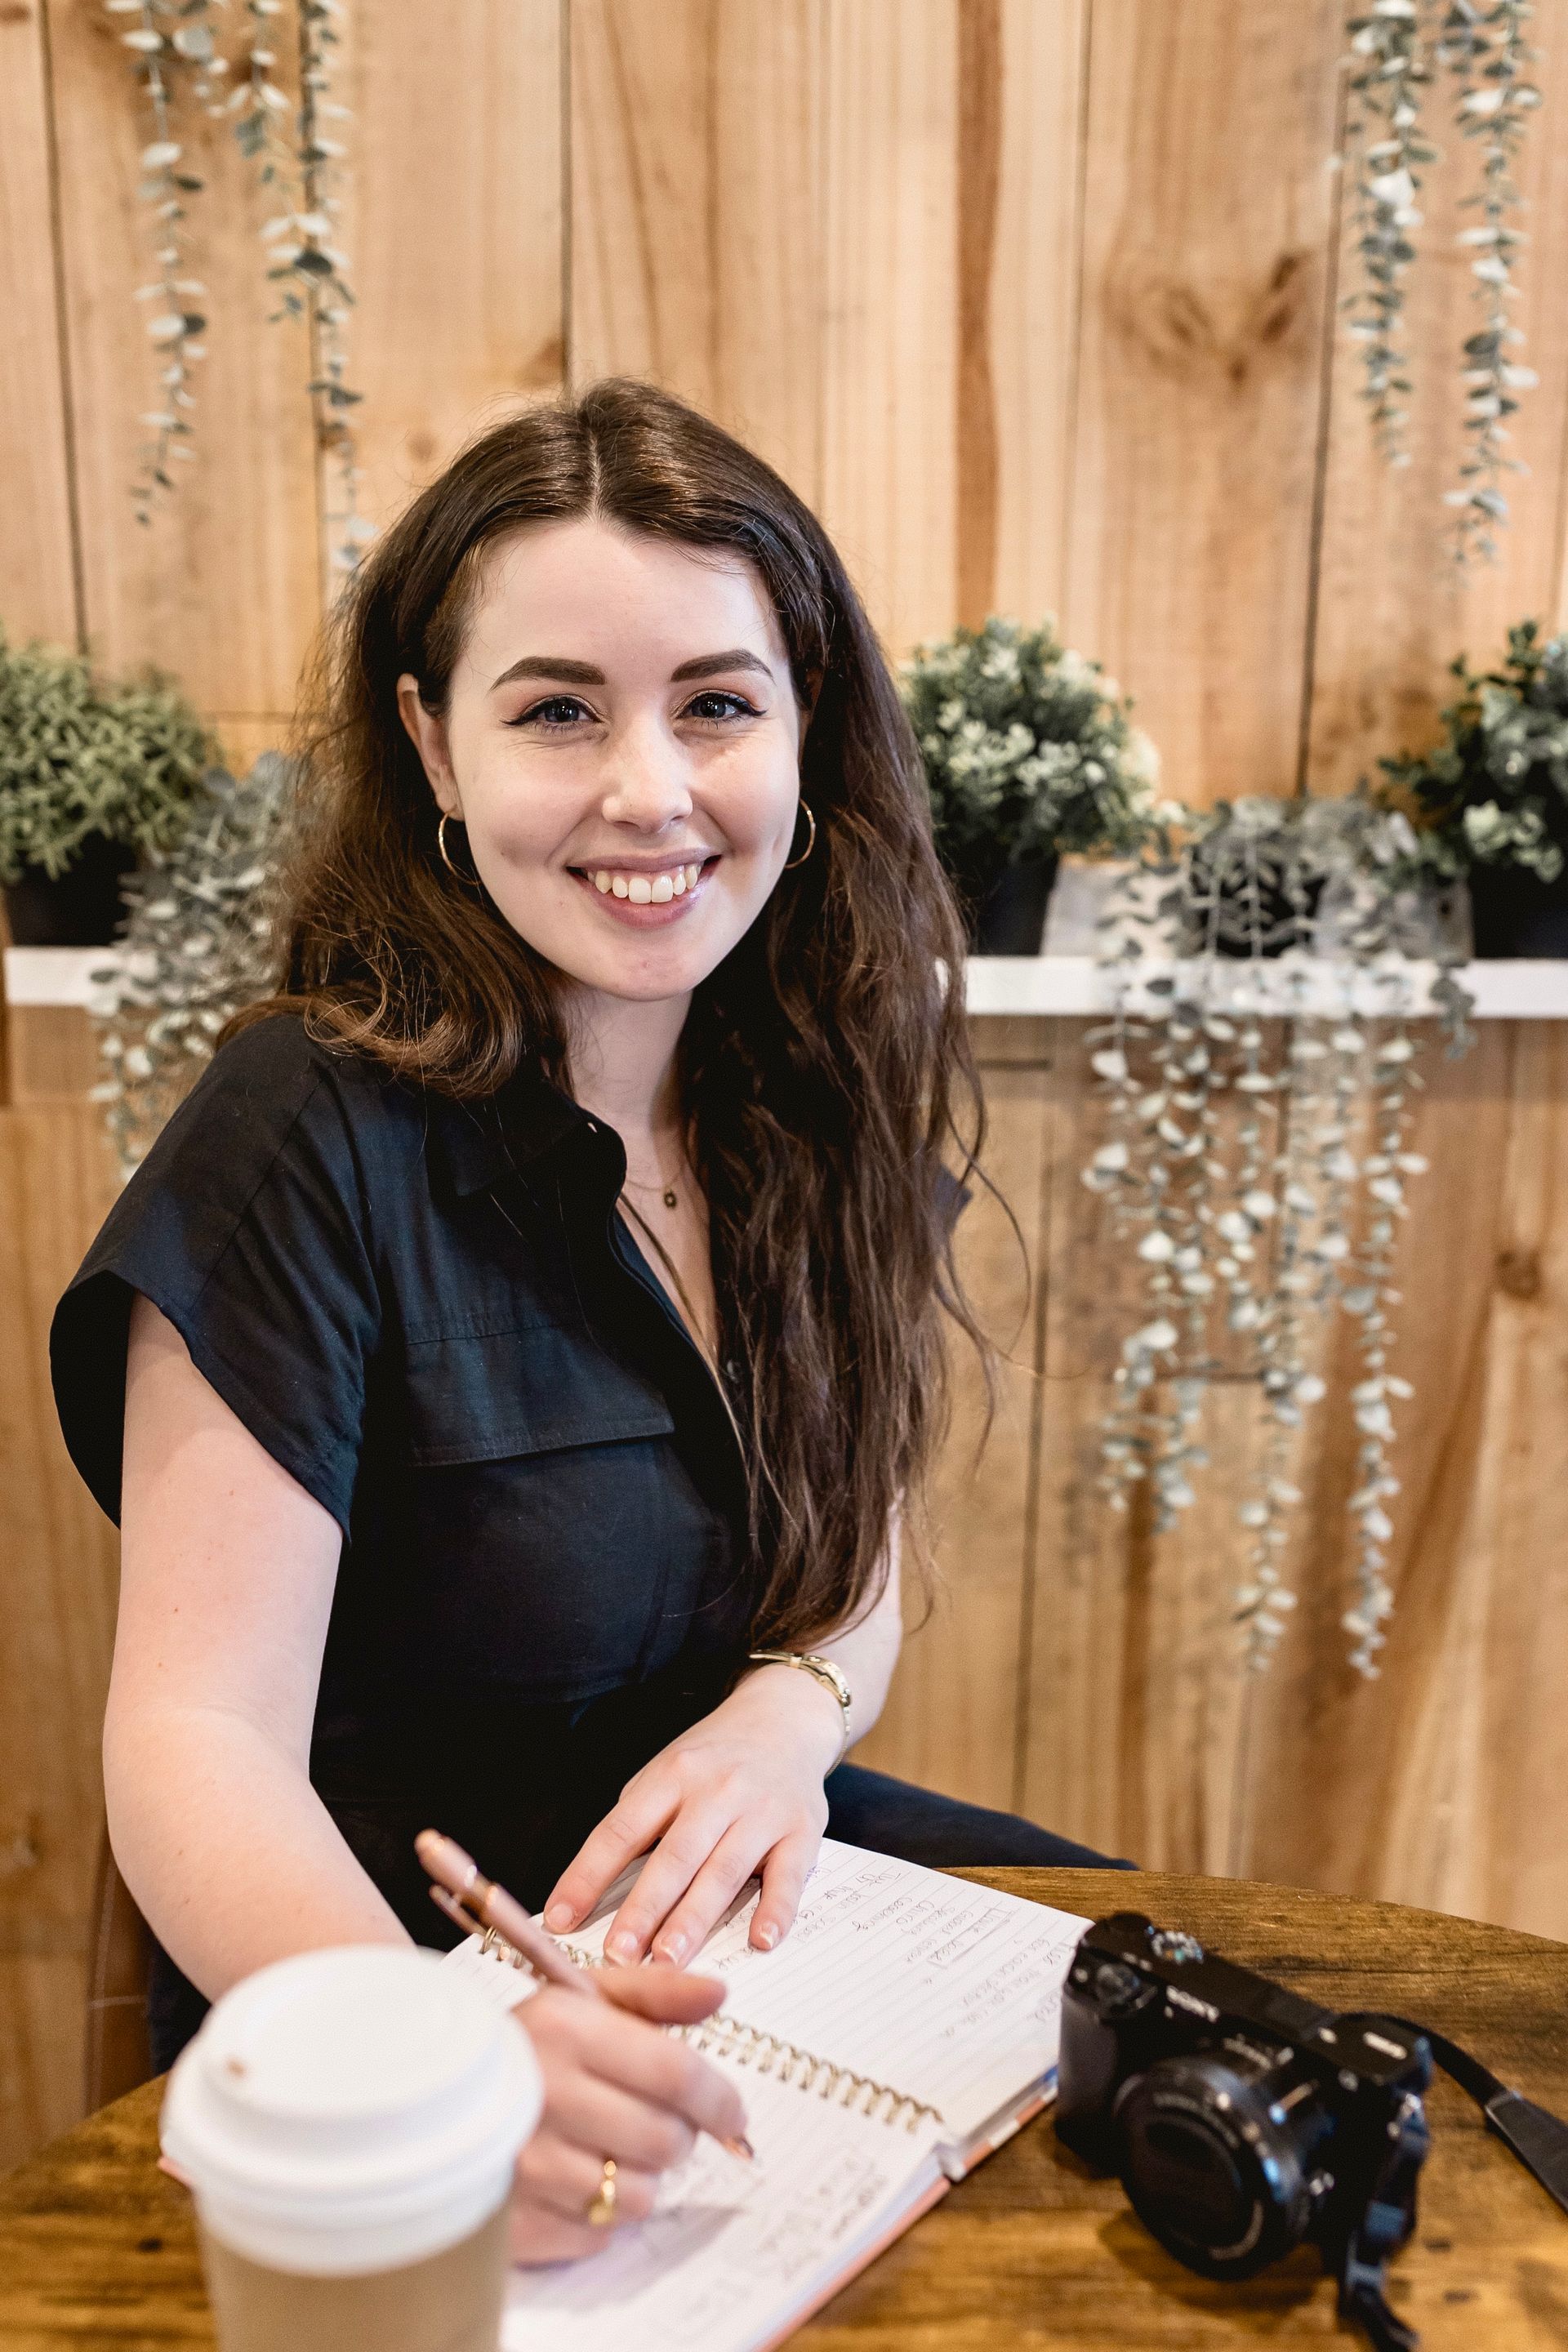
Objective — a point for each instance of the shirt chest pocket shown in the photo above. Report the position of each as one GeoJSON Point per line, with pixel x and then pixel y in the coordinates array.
{"type": "Point", "coordinates": [552, 1527]}
{"type": "Point", "coordinates": [487, 1396]}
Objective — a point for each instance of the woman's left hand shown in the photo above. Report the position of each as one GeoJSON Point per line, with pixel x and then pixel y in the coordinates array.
{"type": "Point", "coordinates": [739, 1793]}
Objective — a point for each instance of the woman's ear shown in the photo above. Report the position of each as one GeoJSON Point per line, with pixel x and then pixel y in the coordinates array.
{"type": "Point", "coordinates": [428, 731]}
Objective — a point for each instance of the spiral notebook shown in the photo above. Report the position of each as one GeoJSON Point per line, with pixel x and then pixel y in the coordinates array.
{"type": "Point", "coordinates": [903, 2030]}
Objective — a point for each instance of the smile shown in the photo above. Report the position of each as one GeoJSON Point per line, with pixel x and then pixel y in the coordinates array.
{"type": "Point", "coordinates": [638, 897]}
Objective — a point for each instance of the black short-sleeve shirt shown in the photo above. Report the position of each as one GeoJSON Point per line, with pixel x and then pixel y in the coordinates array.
{"type": "Point", "coordinates": [431, 1316]}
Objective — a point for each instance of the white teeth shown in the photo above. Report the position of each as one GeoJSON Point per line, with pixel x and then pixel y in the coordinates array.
{"type": "Point", "coordinates": [646, 889]}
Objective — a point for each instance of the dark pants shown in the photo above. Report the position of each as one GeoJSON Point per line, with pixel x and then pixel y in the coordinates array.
{"type": "Point", "coordinates": [888, 1816]}
{"type": "Point", "coordinates": [868, 1809]}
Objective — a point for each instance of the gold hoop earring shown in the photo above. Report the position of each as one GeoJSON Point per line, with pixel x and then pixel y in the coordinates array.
{"type": "Point", "coordinates": [455, 871]}
{"type": "Point", "coordinates": [791, 863]}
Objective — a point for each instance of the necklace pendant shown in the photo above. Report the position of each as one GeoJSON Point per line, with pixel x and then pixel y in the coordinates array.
{"type": "Point", "coordinates": [670, 1200]}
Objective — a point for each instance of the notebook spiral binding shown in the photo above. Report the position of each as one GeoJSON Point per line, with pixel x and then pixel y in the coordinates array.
{"type": "Point", "coordinates": [728, 2037]}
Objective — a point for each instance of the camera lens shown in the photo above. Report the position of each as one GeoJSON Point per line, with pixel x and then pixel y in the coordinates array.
{"type": "Point", "coordinates": [1209, 2170]}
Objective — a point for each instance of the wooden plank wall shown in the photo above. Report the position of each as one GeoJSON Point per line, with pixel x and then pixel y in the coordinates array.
{"type": "Point", "coordinates": [1034, 300]}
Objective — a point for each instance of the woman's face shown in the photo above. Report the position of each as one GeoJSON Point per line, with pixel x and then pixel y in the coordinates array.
{"type": "Point", "coordinates": [622, 743]}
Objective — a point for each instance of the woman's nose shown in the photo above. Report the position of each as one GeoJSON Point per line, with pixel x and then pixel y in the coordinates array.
{"type": "Point", "coordinates": [646, 784]}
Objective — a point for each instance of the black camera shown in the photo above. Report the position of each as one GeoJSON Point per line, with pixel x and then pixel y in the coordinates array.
{"type": "Point", "coordinates": [1241, 2118]}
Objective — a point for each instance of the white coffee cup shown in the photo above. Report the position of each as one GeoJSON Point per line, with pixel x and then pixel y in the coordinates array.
{"type": "Point", "coordinates": [348, 2121]}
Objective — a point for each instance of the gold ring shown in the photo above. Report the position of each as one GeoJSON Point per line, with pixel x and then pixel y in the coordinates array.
{"type": "Point", "coordinates": [601, 2214]}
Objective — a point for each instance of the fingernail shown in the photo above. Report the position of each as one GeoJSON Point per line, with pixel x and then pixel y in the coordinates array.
{"type": "Point", "coordinates": [559, 1916]}
{"type": "Point", "coordinates": [766, 1936]}
{"type": "Point", "coordinates": [623, 1945]}
{"type": "Point", "coordinates": [672, 1947]}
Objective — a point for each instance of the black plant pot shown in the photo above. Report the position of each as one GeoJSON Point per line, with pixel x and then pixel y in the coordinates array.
{"type": "Point", "coordinates": [81, 907]}
{"type": "Point", "coordinates": [1515, 913]}
{"type": "Point", "coordinates": [1277, 922]}
{"type": "Point", "coordinates": [1007, 906]}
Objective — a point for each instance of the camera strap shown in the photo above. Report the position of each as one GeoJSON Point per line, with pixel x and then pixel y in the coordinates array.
{"type": "Point", "coordinates": [1539, 2138]}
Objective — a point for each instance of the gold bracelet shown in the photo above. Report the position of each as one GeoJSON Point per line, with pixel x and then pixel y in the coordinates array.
{"type": "Point", "coordinates": [822, 1670]}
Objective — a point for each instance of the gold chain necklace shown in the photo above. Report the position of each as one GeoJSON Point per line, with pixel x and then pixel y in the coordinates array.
{"type": "Point", "coordinates": [666, 1191]}
{"type": "Point", "coordinates": [693, 1322]}
{"type": "Point", "coordinates": [668, 1195]}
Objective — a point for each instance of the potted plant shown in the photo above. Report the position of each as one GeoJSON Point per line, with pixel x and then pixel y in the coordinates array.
{"type": "Point", "coordinates": [1262, 1034]}
{"type": "Point", "coordinates": [1028, 752]}
{"type": "Point", "coordinates": [1339, 877]}
{"type": "Point", "coordinates": [1494, 795]}
{"type": "Point", "coordinates": [92, 776]}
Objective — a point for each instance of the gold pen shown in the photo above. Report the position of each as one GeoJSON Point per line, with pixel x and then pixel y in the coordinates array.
{"type": "Point", "coordinates": [476, 1903]}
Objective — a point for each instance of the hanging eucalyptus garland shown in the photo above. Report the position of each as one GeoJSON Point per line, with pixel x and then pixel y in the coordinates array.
{"type": "Point", "coordinates": [1487, 50]}
{"type": "Point", "coordinates": [200, 943]}
{"type": "Point", "coordinates": [175, 61]}
{"type": "Point", "coordinates": [1238, 1074]}
{"type": "Point", "coordinates": [178, 66]}
{"type": "Point", "coordinates": [304, 260]}
{"type": "Point", "coordinates": [1388, 155]}
{"type": "Point", "coordinates": [1398, 48]}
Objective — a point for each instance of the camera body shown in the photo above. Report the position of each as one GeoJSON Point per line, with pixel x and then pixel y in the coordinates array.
{"type": "Point", "coordinates": [1242, 2119]}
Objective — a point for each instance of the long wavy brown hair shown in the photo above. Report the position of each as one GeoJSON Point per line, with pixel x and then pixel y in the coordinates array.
{"type": "Point", "coordinates": [824, 1067]}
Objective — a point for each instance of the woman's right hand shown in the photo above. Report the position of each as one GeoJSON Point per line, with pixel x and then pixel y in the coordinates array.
{"type": "Point", "coordinates": [613, 2087]}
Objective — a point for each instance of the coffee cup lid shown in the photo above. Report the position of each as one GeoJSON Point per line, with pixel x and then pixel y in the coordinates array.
{"type": "Point", "coordinates": [347, 2110]}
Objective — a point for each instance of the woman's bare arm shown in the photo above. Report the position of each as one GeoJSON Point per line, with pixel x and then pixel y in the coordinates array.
{"type": "Point", "coordinates": [868, 1653]}
{"type": "Point", "coordinates": [226, 1592]}
{"type": "Point", "coordinates": [226, 1574]}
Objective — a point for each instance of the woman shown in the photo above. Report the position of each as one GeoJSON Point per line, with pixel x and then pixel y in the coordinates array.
{"type": "Point", "coordinates": [534, 1312]}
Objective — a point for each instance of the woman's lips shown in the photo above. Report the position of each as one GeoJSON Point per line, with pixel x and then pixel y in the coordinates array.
{"type": "Point", "coordinates": [650, 915]}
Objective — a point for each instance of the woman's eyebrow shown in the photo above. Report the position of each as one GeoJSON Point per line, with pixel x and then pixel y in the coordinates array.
{"type": "Point", "coordinates": [710, 664]}
{"type": "Point", "coordinates": [577, 672]}
{"type": "Point", "coordinates": [551, 666]}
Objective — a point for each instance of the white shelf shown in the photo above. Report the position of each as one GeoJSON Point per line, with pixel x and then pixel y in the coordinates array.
{"type": "Point", "coordinates": [1079, 984]}
{"type": "Point", "coordinates": [1051, 983]}
{"type": "Point", "coordinates": [52, 975]}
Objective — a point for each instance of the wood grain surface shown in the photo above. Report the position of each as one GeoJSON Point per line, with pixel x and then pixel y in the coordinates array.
{"type": "Point", "coordinates": [38, 551]}
{"type": "Point", "coordinates": [222, 590]}
{"type": "Point", "coordinates": [61, 1556]}
{"type": "Point", "coordinates": [456, 190]}
{"type": "Point", "coordinates": [1035, 304]}
{"type": "Point", "coordinates": [97, 2253]}
{"type": "Point", "coordinates": [1206, 232]}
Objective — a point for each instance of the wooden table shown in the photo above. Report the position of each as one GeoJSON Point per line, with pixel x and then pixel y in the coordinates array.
{"type": "Point", "coordinates": [97, 2249]}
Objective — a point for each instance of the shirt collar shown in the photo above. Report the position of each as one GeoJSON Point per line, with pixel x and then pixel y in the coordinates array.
{"type": "Point", "coordinates": [527, 1121]}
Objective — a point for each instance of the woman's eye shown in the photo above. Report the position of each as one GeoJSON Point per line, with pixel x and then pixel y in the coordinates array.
{"type": "Point", "coordinates": [740, 707]}
{"type": "Point", "coordinates": [556, 702]}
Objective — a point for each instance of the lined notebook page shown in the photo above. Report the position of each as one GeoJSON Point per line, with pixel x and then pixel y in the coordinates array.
{"type": "Point", "coordinates": [947, 1992]}
{"type": "Point", "coordinates": [733, 2252]}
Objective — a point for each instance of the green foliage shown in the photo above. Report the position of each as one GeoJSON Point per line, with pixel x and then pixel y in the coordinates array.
{"type": "Point", "coordinates": [1028, 749]}
{"type": "Point", "coordinates": [1494, 790]}
{"type": "Point", "coordinates": [80, 756]}
{"type": "Point", "coordinates": [200, 944]}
